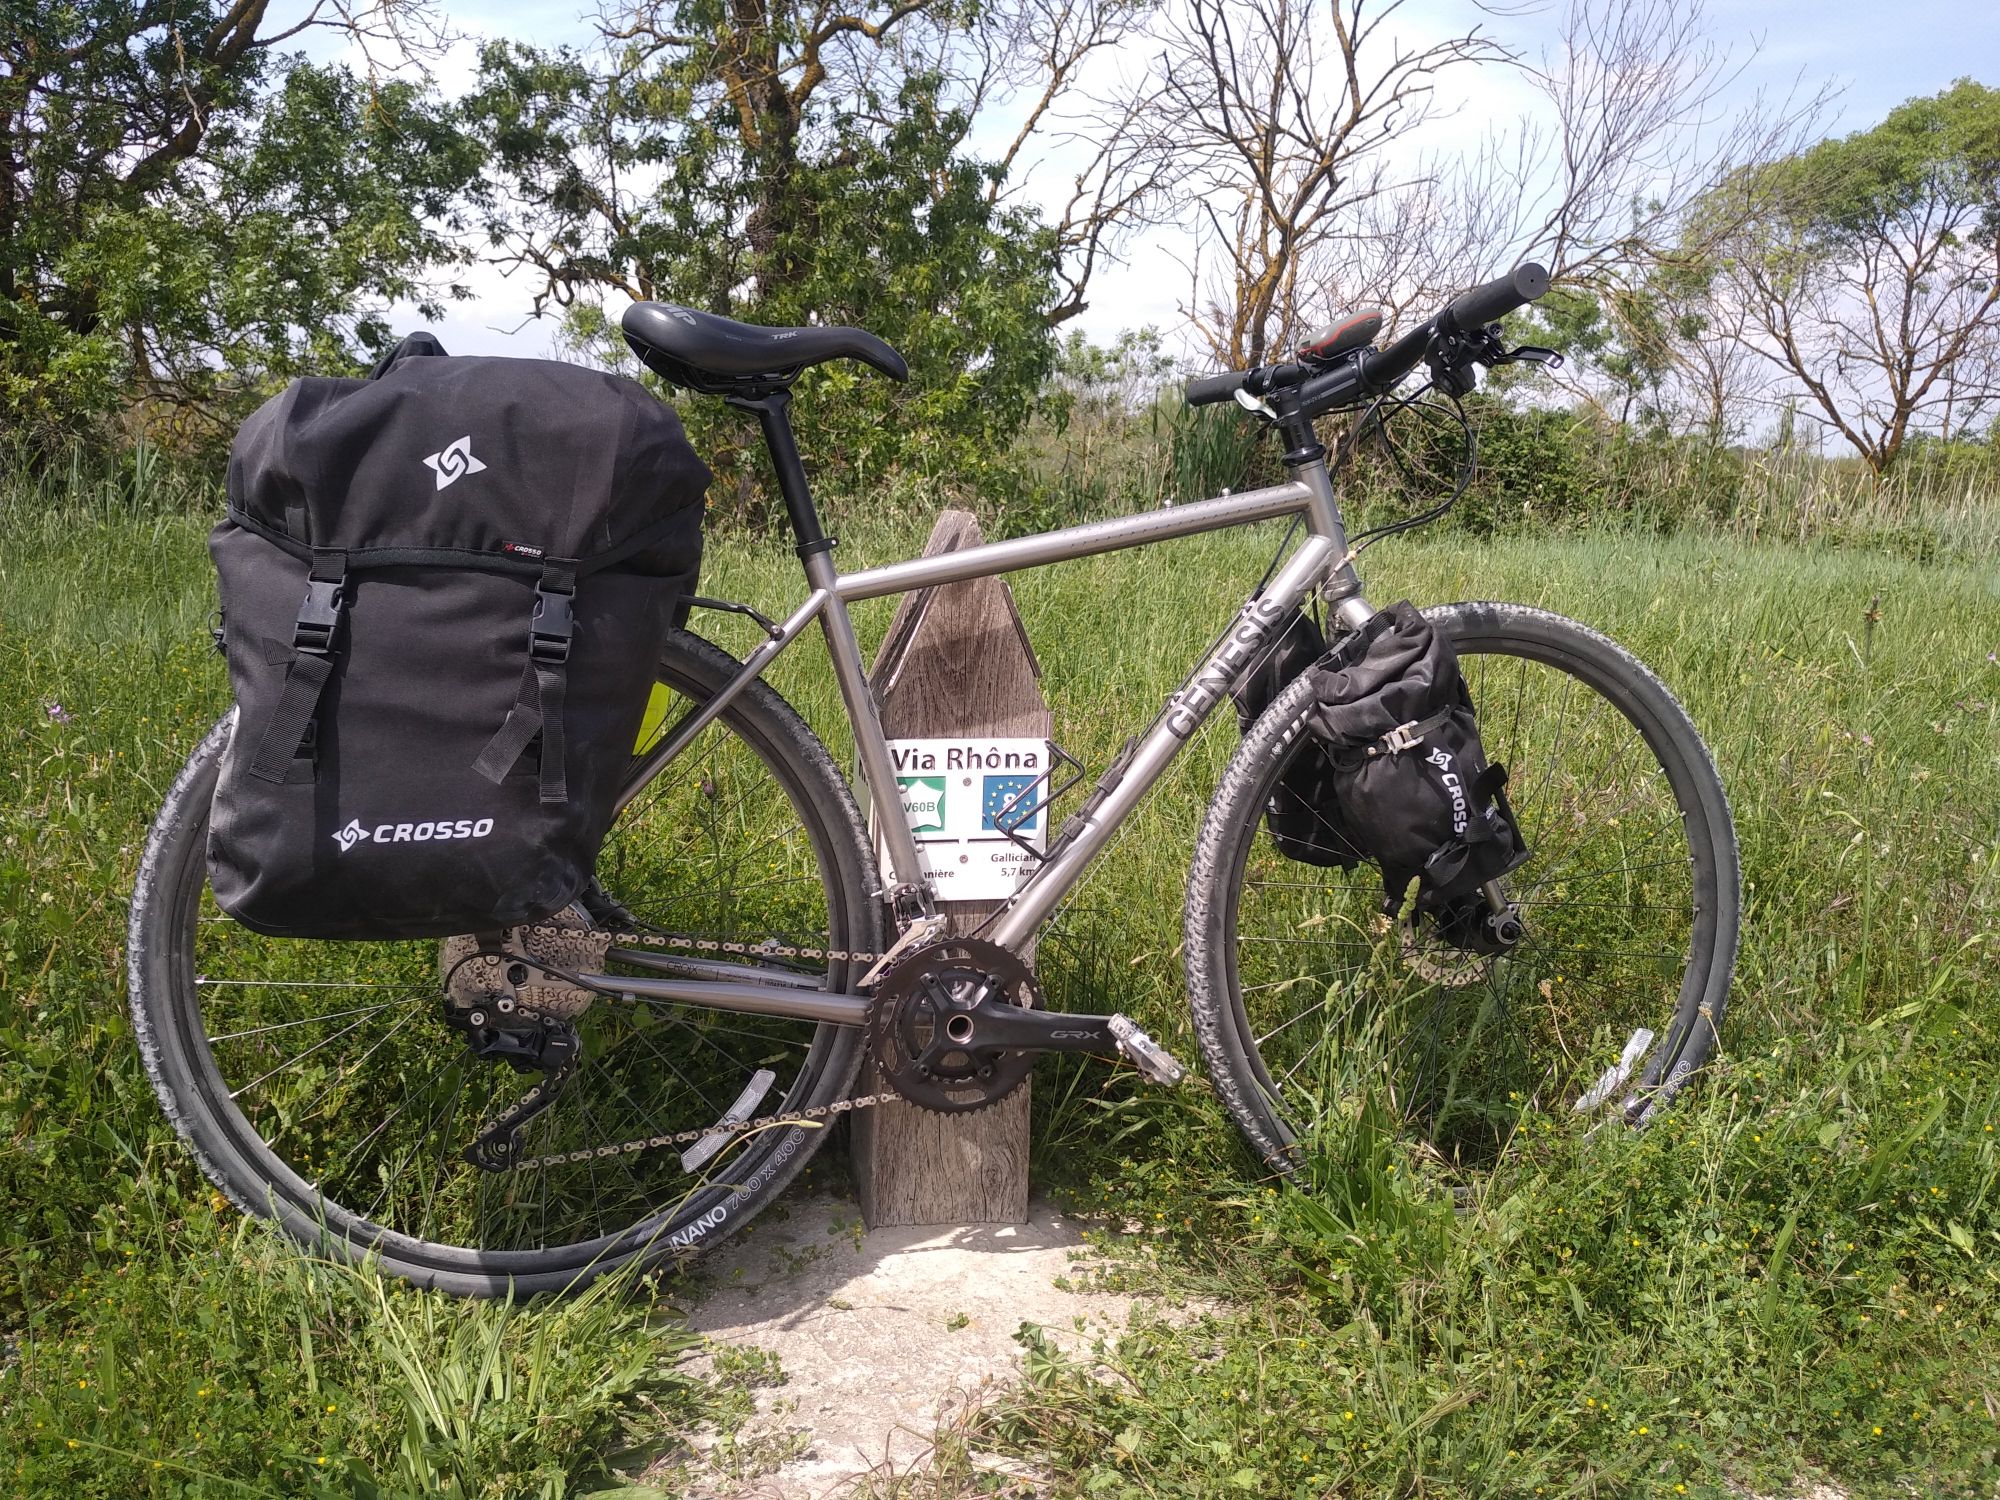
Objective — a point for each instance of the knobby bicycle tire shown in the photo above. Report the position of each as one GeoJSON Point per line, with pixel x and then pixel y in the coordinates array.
{"type": "Point", "coordinates": [749, 828]}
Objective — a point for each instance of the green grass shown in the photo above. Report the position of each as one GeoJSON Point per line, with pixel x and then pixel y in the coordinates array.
{"type": "Point", "coordinates": [1804, 1253]}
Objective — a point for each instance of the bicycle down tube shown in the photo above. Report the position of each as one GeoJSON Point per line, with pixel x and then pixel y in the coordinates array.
{"type": "Point", "coordinates": [1321, 555]}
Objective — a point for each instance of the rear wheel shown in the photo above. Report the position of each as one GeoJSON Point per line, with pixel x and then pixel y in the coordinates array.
{"type": "Point", "coordinates": [319, 1083]}
{"type": "Point", "coordinates": [1307, 1000]}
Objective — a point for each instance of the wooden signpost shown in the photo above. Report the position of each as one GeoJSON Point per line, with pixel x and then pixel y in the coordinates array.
{"type": "Point", "coordinates": [955, 664]}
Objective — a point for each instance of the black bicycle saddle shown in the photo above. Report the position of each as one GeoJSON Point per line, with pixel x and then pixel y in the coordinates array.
{"type": "Point", "coordinates": [704, 351]}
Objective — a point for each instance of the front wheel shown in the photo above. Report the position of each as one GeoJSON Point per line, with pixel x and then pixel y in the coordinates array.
{"type": "Point", "coordinates": [320, 1084]}
{"type": "Point", "coordinates": [1308, 1000]}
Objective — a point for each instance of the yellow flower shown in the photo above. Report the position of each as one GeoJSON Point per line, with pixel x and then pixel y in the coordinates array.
{"type": "Point", "coordinates": [1642, 1432]}
{"type": "Point", "coordinates": [83, 1385]}
{"type": "Point", "coordinates": [72, 1442]}
{"type": "Point", "coordinates": [1878, 1432]}
{"type": "Point", "coordinates": [321, 1459]}
{"type": "Point", "coordinates": [1347, 1416]}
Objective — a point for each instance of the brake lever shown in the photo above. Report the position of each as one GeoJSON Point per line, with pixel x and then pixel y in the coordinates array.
{"type": "Point", "coordinates": [1529, 354]}
{"type": "Point", "coordinates": [1255, 404]}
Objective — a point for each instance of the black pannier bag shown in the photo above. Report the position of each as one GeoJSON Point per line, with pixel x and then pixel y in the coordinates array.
{"type": "Point", "coordinates": [444, 593]}
{"type": "Point", "coordinates": [1303, 815]}
{"type": "Point", "coordinates": [1408, 771]}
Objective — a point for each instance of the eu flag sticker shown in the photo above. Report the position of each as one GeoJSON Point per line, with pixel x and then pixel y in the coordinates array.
{"type": "Point", "coordinates": [1000, 792]}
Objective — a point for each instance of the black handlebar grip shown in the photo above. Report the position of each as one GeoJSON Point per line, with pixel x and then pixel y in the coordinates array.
{"type": "Point", "coordinates": [1493, 301]}
{"type": "Point", "coordinates": [1209, 389]}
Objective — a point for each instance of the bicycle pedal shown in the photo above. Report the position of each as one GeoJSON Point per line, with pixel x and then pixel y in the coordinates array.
{"type": "Point", "coordinates": [1145, 1054]}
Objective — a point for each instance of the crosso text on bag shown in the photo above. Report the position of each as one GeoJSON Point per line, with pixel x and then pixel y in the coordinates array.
{"type": "Point", "coordinates": [444, 592]}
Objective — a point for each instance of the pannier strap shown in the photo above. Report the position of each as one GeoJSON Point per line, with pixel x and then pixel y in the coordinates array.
{"type": "Point", "coordinates": [538, 705]}
{"type": "Point", "coordinates": [313, 639]}
{"type": "Point", "coordinates": [1409, 736]}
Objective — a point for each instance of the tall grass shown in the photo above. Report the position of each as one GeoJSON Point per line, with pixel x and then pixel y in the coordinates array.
{"type": "Point", "coordinates": [1803, 1254]}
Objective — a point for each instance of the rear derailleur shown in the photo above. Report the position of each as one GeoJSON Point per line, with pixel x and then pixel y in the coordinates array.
{"type": "Point", "coordinates": [955, 1027]}
{"type": "Point", "coordinates": [499, 994]}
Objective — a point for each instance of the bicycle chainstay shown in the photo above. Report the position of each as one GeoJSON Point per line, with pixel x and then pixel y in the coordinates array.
{"type": "Point", "coordinates": [688, 942]}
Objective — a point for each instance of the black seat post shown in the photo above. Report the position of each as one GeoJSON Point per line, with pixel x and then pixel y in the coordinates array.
{"type": "Point", "coordinates": [774, 414]}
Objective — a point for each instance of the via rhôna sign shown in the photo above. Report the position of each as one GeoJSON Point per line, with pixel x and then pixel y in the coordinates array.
{"type": "Point", "coordinates": [956, 795]}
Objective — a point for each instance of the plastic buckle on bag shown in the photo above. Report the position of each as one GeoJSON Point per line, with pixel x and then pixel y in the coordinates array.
{"type": "Point", "coordinates": [318, 618]}
{"type": "Point", "coordinates": [1400, 739]}
{"type": "Point", "coordinates": [549, 633]}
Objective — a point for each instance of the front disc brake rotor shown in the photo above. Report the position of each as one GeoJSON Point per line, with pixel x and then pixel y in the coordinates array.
{"type": "Point", "coordinates": [912, 1025]}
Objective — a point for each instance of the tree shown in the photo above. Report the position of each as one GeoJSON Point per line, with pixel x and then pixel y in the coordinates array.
{"type": "Point", "coordinates": [185, 214]}
{"type": "Point", "coordinates": [1274, 113]}
{"type": "Point", "coordinates": [1867, 270]}
{"type": "Point", "coordinates": [792, 161]}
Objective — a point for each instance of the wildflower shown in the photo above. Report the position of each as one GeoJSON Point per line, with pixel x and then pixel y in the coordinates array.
{"type": "Point", "coordinates": [1347, 1416]}
{"type": "Point", "coordinates": [1878, 1432]}
{"type": "Point", "coordinates": [62, 716]}
{"type": "Point", "coordinates": [320, 1460]}
{"type": "Point", "coordinates": [1642, 1432]}
{"type": "Point", "coordinates": [83, 1385]}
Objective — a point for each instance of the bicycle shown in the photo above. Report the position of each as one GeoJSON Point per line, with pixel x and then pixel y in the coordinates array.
{"type": "Point", "coordinates": [742, 948]}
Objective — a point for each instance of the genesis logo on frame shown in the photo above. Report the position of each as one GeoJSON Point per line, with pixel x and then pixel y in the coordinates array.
{"type": "Point", "coordinates": [411, 833]}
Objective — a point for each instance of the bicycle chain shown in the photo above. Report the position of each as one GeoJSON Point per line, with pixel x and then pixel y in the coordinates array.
{"type": "Point", "coordinates": [689, 1137]}
{"type": "Point", "coordinates": [806, 1116]}
{"type": "Point", "coordinates": [698, 944]}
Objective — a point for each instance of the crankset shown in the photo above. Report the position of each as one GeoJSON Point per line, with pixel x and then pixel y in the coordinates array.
{"type": "Point", "coordinates": [954, 1028]}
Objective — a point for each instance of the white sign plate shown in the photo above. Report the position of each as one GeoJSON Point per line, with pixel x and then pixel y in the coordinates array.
{"type": "Point", "coordinates": [956, 793]}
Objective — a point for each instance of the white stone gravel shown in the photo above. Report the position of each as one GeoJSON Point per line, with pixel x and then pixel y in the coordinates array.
{"type": "Point", "coordinates": [879, 1333]}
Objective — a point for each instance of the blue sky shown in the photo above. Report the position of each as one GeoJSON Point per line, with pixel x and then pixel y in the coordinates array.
{"type": "Point", "coordinates": [1875, 54]}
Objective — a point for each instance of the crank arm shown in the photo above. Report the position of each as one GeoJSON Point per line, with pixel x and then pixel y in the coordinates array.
{"type": "Point", "coordinates": [996, 1024]}
{"type": "Point", "coordinates": [1015, 1028]}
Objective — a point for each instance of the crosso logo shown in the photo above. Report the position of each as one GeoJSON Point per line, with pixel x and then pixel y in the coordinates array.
{"type": "Point", "coordinates": [411, 833]}
{"type": "Point", "coordinates": [1453, 786]}
{"type": "Point", "coordinates": [453, 462]}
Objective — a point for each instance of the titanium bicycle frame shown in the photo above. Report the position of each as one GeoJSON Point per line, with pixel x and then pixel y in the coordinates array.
{"type": "Point", "coordinates": [1322, 558]}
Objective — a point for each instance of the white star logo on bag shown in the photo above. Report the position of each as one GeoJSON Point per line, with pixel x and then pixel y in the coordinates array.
{"type": "Point", "coordinates": [453, 462]}
{"type": "Point", "coordinates": [351, 835]}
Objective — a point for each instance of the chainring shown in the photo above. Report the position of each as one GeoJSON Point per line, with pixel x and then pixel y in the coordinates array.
{"type": "Point", "coordinates": [911, 1010]}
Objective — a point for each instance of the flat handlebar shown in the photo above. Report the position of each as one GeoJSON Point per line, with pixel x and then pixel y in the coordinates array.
{"type": "Point", "coordinates": [1206, 390]}
{"type": "Point", "coordinates": [1372, 371]}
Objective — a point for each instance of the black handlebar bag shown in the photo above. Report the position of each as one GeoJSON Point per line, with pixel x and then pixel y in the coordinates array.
{"type": "Point", "coordinates": [444, 592]}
